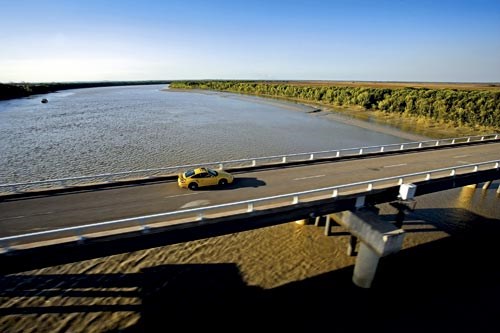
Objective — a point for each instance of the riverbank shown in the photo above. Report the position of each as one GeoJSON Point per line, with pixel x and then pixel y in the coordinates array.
{"type": "Point", "coordinates": [404, 126]}
{"type": "Point", "coordinates": [457, 108]}
{"type": "Point", "coordinates": [19, 90]}
{"type": "Point", "coordinates": [412, 128]}
{"type": "Point", "coordinates": [409, 128]}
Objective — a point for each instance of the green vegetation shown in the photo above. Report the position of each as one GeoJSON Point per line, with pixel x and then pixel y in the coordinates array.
{"type": "Point", "coordinates": [17, 90]}
{"type": "Point", "coordinates": [472, 108]}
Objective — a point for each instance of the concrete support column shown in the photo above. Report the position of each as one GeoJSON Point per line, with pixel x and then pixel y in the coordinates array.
{"type": "Point", "coordinates": [327, 225]}
{"type": "Point", "coordinates": [366, 266]}
{"type": "Point", "coordinates": [378, 239]}
{"type": "Point", "coordinates": [317, 220]}
{"type": "Point", "coordinates": [487, 185]}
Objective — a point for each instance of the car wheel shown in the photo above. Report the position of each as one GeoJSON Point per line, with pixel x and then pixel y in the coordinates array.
{"type": "Point", "coordinates": [222, 182]}
{"type": "Point", "coordinates": [193, 186]}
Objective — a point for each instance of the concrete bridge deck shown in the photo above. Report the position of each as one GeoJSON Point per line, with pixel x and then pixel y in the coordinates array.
{"type": "Point", "coordinates": [19, 216]}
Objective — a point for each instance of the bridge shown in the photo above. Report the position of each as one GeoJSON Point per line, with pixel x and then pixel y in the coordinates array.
{"type": "Point", "coordinates": [63, 220]}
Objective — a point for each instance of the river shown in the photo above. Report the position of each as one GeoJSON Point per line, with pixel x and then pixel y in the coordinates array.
{"type": "Point", "coordinates": [287, 277]}
{"type": "Point", "coordinates": [99, 130]}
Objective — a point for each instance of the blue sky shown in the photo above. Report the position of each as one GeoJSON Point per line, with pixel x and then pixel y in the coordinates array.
{"type": "Point", "coordinates": [434, 41]}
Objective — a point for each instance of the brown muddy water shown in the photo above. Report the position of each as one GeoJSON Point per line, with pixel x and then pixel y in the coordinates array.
{"type": "Point", "coordinates": [289, 277]}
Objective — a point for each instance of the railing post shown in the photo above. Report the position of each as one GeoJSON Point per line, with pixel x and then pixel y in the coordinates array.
{"type": "Point", "coordinates": [338, 153]}
{"type": "Point", "coordinates": [482, 138]}
{"type": "Point", "coordinates": [360, 151]}
{"type": "Point", "coordinates": [400, 181]}
{"type": "Point", "coordinates": [295, 199]}
{"type": "Point", "coordinates": [453, 172]}
{"type": "Point", "coordinates": [382, 149]}
{"type": "Point", "coordinates": [420, 145]}
{"type": "Point", "coordinates": [5, 246]}
{"type": "Point", "coordinates": [250, 207]}
{"type": "Point", "coordinates": [475, 168]}
{"type": "Point", "coordinates": [453, 141]}
{"type": "Point", "coordinates": [335, 193]}
{"type": "Point", "coordinates": [80, 239]}
{"type": "Point", "coordinates": [199, 217]}
{"type": "Point", "coordinates": [144, 227]}
{"type": "Point", "coordinates": [370, 187]}
{"type": "Point", "coordinates": [402, 147]}
{"type": "Point", "coordinates": [254, 162]}
{"type": "Point", "coordinates": [468, 139]}
{"type": "Point", "coordinates": [311, 157]}
{"type": "Point", "coordinates": [428, 176]}
{"type": "Point", "coordinates": [437, 142]}
{"type": "Point", "coordinates": [283, 160]}
{"type": "Point", "coordinates": [221, 166]}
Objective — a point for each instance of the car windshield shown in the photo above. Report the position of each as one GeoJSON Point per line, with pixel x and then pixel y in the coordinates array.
{"type": "Point", "coordinates": [212, 172]}
{"type": "Point", "coordinates": [189, 173]}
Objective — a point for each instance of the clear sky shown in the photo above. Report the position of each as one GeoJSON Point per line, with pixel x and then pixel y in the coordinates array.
{"type": "Point", "coordinates": [378, 40]}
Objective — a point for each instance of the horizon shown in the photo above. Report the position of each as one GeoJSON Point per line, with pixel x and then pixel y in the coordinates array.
{"type": "Point", "coordinates": [343, 41]}
{"type": "Point", "coordinates": [257, 80]}
{"type": "Point", "coordinates": [159, 81]}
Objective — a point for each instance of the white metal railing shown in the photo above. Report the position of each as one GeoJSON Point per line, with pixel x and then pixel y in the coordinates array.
{"type": "Point", "coordinates": [268, 160]}
{"type": "Point", "coordinates": [246, 206]}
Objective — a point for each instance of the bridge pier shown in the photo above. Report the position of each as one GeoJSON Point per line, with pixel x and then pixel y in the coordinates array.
{"type": "Point", "coordinates": [328, 227]}
{"type": "Point", "coordinates": [487, 185]}
{"type": "Point", "coordinates": [378, 238]}
{"type": "Point", "coordinates": [365, 267]}
{"type": "Point", "coordinates": [317, 220]}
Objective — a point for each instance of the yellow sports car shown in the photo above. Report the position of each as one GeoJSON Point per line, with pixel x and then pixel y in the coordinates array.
{"type": "Point", "coordinates": [200, 177]}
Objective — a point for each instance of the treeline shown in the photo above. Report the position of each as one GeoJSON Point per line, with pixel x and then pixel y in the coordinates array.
{"type": "Point", "coordinates": [460, 107]}
{"type": "Point", "coordinates": [18, 90]}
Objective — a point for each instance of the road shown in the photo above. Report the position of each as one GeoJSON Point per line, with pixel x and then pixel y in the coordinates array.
{"type": "Point", "coordinates": [21, 216]}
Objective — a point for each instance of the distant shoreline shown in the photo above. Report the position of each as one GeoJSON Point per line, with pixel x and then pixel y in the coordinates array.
{"type": "Point", "coordinates": [395, 84]}
{"type": "Point", "coordinates": [20, 90]}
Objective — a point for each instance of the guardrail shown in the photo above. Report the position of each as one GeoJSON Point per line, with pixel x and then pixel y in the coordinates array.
{"type": "Point", "coordinates": [247, 206]}
{"type": "Point", "coordinates": [249, 162]}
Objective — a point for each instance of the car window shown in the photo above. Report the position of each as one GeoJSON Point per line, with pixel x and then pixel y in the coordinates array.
{"type": "Point", "coordinates": [189, 173]}
{"type": "Point", "coordinates": [212, 172]}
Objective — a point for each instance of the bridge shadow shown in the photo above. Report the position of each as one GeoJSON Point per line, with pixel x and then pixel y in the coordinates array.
{"type": "Point", "coordinates": [451, 284]}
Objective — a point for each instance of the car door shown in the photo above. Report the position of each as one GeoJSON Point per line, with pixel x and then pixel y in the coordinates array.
{"type": "Point", "coordinates": [203, 179]}
{"type": "Point", "coordinates": [197, 179]}
{"type": "Point", "coordinates": [212, 179]}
